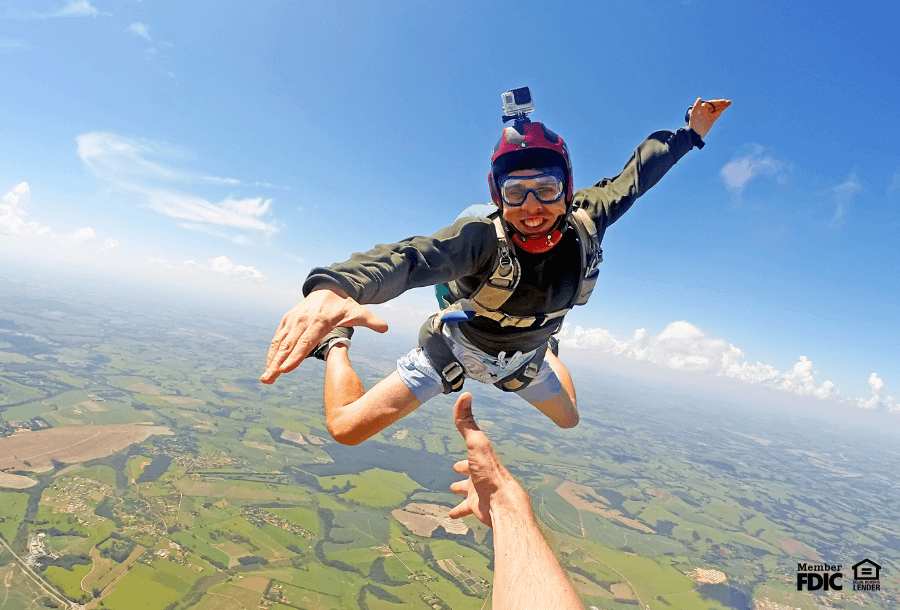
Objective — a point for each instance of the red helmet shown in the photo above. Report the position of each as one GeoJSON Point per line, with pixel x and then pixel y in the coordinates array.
{"type": "Point", "coordinates": [535, 147]}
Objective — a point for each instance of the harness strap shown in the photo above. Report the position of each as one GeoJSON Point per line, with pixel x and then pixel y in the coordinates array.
{"type": "Point", "coordinates": [439, 354]}
{"type": "Point", "coordinates": [520, 379]}
{"type": "Point", "coordinates": [518, 321]}
{"type": "Point", "coordinates": [437, 350]}
{"type": "Point", "coordinates": [495, 291]}
{"type": "Point", "coordinates": [505, 277]}
{"type": "Point", "coordinates": [591, 255]}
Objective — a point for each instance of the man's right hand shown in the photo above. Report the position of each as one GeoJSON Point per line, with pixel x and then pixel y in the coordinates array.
{"type": "Point", "coordinates": [306, 324]}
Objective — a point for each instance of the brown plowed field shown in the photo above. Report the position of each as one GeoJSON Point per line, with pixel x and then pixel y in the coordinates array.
{"type": "Point", "coordinates": [69, 445]}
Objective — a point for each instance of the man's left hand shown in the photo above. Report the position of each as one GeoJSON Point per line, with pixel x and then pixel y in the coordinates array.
{"type": "Point", "coordinates": [704, 114]}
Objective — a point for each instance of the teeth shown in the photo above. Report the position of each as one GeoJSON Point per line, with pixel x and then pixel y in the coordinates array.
{"type": "Point", "coordinates": [533, 222]}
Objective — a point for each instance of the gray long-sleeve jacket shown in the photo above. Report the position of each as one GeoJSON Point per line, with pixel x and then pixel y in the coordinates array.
{"type": "Point", "coordinates": [466, 251]}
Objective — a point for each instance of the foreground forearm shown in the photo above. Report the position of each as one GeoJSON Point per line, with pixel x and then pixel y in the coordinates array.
{"type": "Point", "coordinates": [527, 573]}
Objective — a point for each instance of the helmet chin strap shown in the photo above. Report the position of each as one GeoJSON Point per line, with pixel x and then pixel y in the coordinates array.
{"type": "Point", "coordinates": [538, 244]}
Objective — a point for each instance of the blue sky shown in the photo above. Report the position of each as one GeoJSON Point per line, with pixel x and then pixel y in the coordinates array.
{"type": "Point", "coordinates": [241, 144]}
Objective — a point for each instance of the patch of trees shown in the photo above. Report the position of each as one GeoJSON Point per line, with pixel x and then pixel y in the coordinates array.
{"type": "Point", "coordinates": [468, 541]}
{"type": "Point", "coordinates": [579, 570]}
{"type": "Point", "coordinates": [249, 560]}
{"type": "Point", "coordinates": [118, 549]}
{"type": "Point", "coordinates": [155, 469]}
{"type": "Point", "coordinates": [379, 575]}
{"type": "Point", "coordinates": [664, 528]}
{"type": "Point", "coordinates": [55, 531]}
{"type": "Point", "coordinates": [302, 478]}
{"type": "Point", "coordinates": [327, 517]}
{"type": "Point", "coordinates": [212, 561]}
{"type": "Point", "coordinates": [378, 592]}
{"type": "Point", "coordinates": [104, 509]}
{"type": "Point", "coordinates": [66, 562]}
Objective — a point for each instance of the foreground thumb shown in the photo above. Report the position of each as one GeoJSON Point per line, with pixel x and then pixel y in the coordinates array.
{"type": "Point", "coordinates": [462, 413]}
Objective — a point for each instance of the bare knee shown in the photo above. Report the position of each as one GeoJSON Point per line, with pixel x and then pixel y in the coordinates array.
{"type": "Point", "coordinates": [343, 431]}
{"type": "Point", "coordinates": [570, 420]}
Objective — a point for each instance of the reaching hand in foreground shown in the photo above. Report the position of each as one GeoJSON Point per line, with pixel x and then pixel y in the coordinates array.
{"type": "Point", "coordinates": [489, 486]}
{"type": "Point", "coordinates": [306, 324]}
{"type": "Point", "coordinates": [527, 574]}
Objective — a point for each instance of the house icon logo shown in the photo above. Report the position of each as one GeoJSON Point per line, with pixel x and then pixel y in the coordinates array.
{"type": "Point", "coordinates": [866, 576]}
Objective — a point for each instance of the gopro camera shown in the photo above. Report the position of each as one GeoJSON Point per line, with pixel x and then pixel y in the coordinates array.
{"type": "Point", "coordinates": [517, 102]}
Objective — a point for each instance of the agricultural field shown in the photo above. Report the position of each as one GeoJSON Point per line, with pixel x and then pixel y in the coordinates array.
{"type": "Point", "coordinates": [36, 451]}
{"type": "Point", "coordinates": [144, 588]}
{"type": "Point", "coordinates": [18, 591]}
{"type": "Point", "coordinates": [153, 451]}
{"type": "Point", "coordinates": [12, 512]}
{"type": "Point", "coordinates": [69, 581]}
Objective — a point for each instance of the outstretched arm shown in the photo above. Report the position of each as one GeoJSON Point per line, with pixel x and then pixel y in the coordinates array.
{"type": "Point", "coordinates": [607, 200]}
{"type": "Point", "coordinates": [336, 295]}
{"type": "Point", "coordinates": [527, 574]}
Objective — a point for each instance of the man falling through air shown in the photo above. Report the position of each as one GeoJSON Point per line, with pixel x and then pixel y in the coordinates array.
{"type": "Point", "coordinates": [505, 274]}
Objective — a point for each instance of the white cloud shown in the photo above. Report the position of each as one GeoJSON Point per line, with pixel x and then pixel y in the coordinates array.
{"type": "Point", "coordinates": [141, 30]}
{"type": "Point", "coordinates": [843, 197]}
{"type": "Point", "coordinates": [110, 246]}
{"type": "Point", "coordinates": [235, 213]}
{"type": "Point", "coordinates": [14, 44]}
{"type": "Point", "coordinates": [224, 266]}
{"type": "Point", "coordinates": [31, 235]}
{"type": "Point", "coordinates": [72, 8]}
{"type": "Point", "coordinates": [738, 172]}
{"type": "Point", "coordinates": [141, 168]}
{"type": "Point", "coordinates": [219, 266]}
{"type": "Point", "coordinates": [877, 400]}
{"type": "Point", "coordinates": [223, 180]}
{"type": "Point", "coordinates": [894, 186]}
{"type": "Point", "coordinates": [684, 347]}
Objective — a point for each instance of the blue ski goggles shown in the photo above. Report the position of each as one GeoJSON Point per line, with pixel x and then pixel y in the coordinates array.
{"type": "Point", "coordinates": [547, 187]}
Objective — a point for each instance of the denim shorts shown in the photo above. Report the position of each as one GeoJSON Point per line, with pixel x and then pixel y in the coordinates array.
{"type": "Point", "coordinates": [425, 382]}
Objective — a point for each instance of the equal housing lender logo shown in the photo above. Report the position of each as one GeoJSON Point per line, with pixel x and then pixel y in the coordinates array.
{"type": "Point", "coordinates": [828, 577]}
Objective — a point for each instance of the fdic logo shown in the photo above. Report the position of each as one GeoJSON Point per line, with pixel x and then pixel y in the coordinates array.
{"type": "Point", "coordinates": [826, 577]}
{"type": "Point", "coordinates": [819, 576]}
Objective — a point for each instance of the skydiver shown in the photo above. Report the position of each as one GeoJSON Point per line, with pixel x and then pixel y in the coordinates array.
{"type": "Point", "coordinates": [506, 279]}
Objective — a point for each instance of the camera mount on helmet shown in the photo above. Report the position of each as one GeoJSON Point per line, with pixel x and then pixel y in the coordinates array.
{"type": "Point", "coordinates": [517, 105]}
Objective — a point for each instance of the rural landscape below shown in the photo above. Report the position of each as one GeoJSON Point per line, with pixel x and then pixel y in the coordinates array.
{"type": "Point", "coordinates": [143, 466]}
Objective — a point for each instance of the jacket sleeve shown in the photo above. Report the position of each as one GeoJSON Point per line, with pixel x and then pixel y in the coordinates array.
{"type": "Point", "coordinates": [607, 200]}
{"type": "Point", "coordinates": [466, 247]}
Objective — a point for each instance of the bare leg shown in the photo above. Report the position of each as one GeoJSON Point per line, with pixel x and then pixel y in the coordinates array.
{"type": "Point", "coordinates": [351, 414]}
{"type": "Point", "coordinates": [562, 408]}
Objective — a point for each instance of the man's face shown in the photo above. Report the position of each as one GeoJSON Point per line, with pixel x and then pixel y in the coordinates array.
{"type": "Point", "coordinates": [533, 217]}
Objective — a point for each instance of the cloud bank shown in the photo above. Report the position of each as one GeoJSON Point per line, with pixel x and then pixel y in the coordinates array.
{"type": "Point", "coordinates": [684, 347]}
{"type": "Point", "coordinates": [220, 266]}
{"type": "Point", "coordinates": [145, 170]}
{"type": "Point", "coordinates": [14, 227]}
{"type": "Point", "coordinates": [141, 30]}
{"type": "Point", "coordinates": [844, 193]}
{"type": "Point", "coordinates": [740, 171]}
{"type": "Point", "coordinates": [72, 8]}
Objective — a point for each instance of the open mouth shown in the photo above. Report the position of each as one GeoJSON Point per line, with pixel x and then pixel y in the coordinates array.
{"type": "Point", "coordinates": [533, 223]}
